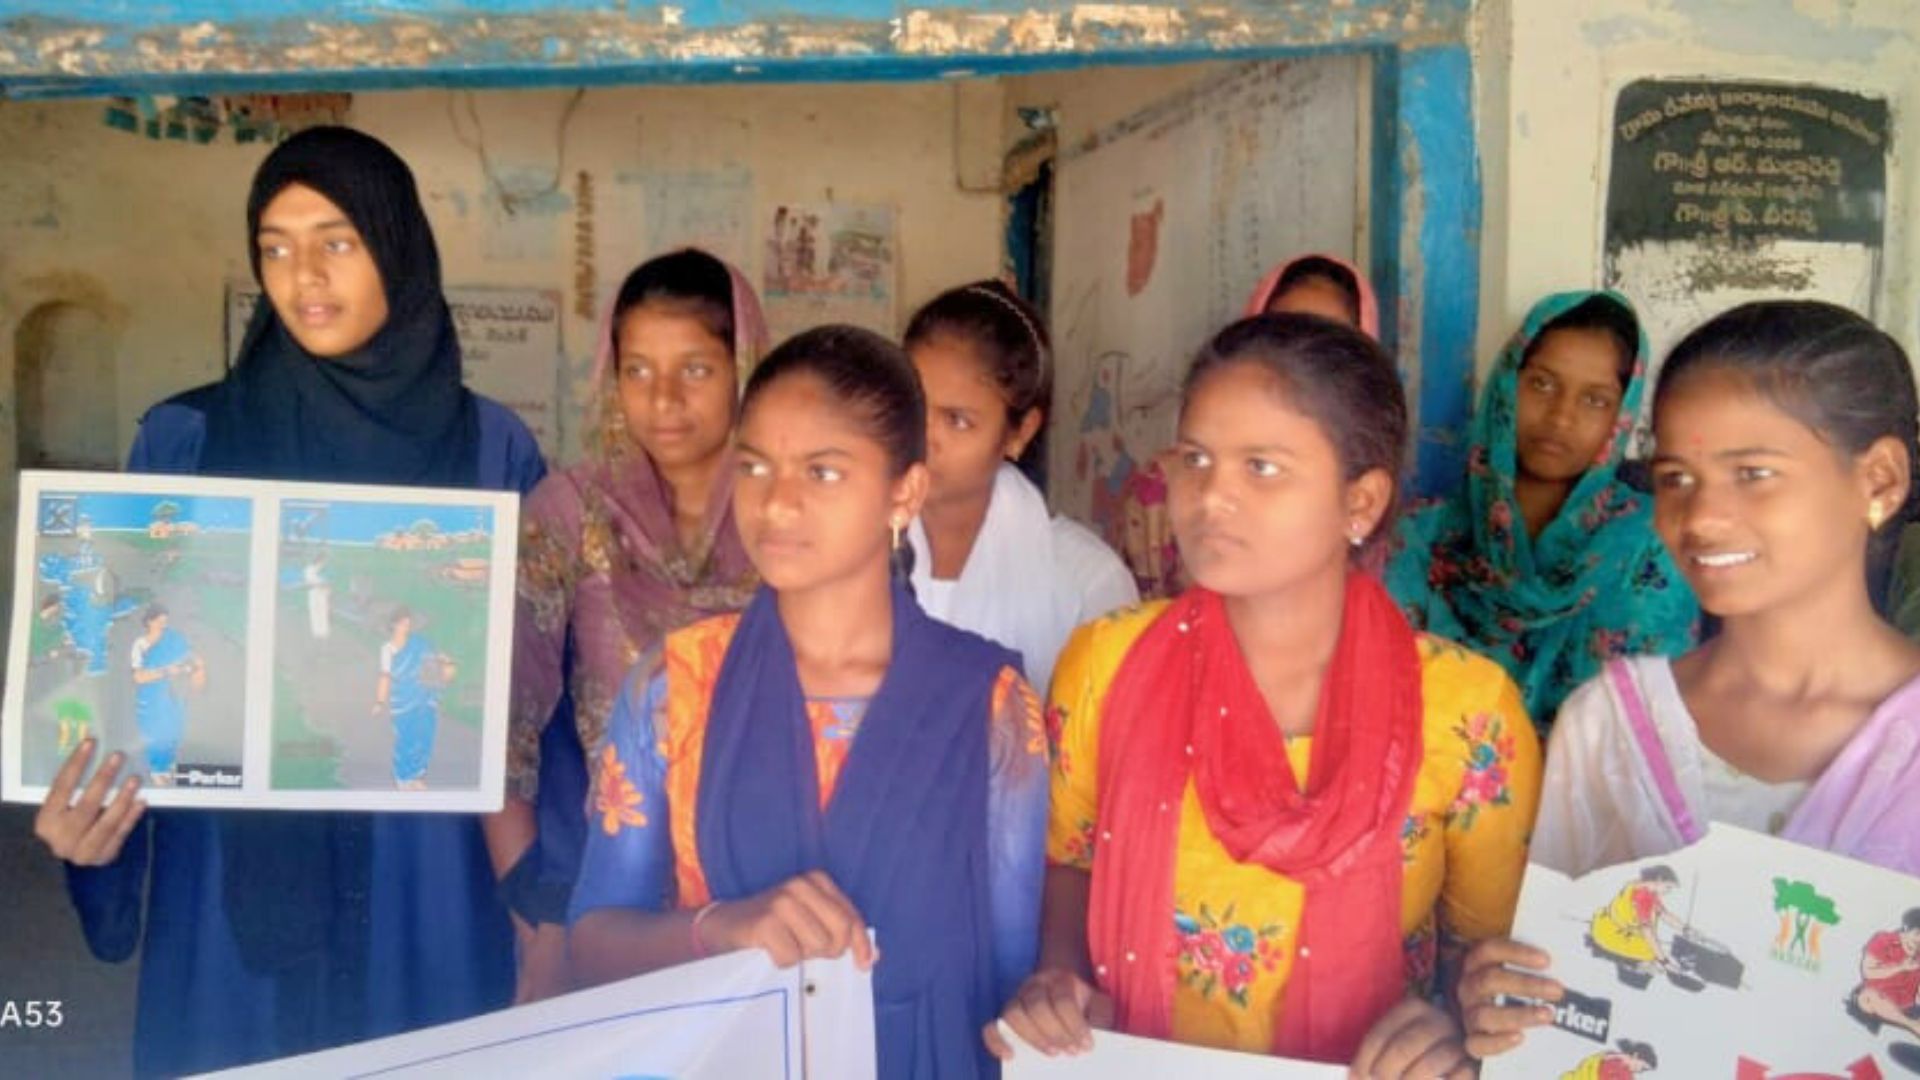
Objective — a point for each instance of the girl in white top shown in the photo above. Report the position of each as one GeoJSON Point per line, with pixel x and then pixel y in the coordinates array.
{"type": "Point", "coordinates": [1786, 448]}
{"type": "Point", "coordinates": [988, 555]}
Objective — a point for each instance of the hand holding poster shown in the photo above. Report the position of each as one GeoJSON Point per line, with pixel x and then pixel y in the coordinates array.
{"type": "Point", "coordinates": [733, 1017]}
{"type": "Point", "coordinates": [1741, 956]}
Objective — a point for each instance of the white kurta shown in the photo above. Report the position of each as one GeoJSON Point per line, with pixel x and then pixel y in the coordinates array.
{"type": "Point", "coordinates": [1600, 803]}
{"type": "Point", "coordinates": [1030, 579]}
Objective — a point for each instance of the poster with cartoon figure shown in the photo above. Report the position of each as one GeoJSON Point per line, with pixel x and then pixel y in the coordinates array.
{"type": "Point", "coordinates": [241, 643]}
{"type": "Point", "coordinates": [386, 687]}
{"type": "Point", "coordinates": [135, 606]}
{"type": "Point", "coordinates": [1743, 956]}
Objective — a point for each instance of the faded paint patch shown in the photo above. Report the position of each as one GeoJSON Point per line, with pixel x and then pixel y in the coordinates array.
{"type": "Point", "coordinates": [456, 45]}
{"type": "Point", "coordinates": [1619, 30]}
{"type": "Point", "coordinates": [1762, 270]}
{"type": "Point", "coordinates": [1831, 30]}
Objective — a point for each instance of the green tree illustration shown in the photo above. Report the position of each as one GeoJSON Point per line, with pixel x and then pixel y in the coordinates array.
{"type": "Point", "coordinates": [1802, 912]}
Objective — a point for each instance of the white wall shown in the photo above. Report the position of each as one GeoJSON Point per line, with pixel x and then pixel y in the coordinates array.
{"type": "Point", "coordinates": [1548, 72]}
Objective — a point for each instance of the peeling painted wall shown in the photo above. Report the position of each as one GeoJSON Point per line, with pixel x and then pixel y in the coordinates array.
{"type": "Point", "coordinates": [56, 48]}
{"type": "Point", "coordinates": [1549, 74]}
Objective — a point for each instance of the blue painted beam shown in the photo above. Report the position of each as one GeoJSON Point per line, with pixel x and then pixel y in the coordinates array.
{"type": "Point", "coordinates": [1438, 283]}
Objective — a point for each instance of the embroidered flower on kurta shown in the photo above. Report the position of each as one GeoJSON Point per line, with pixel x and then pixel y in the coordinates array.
{"type": "Point", "coordinates": [1216, 953]}
{"type": "Point", "coordinates": [1489, 749]}
{"type": "Point", "coordinates": [1056, 725]}
{"type": "Point", "coordinates": [615, 798]}
{"type": "Point", "coordinates": [1079, 846]}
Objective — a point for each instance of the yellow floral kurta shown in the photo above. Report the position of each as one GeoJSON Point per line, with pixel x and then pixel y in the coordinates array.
{"type": "Point", "coordinates": [1465, 835]}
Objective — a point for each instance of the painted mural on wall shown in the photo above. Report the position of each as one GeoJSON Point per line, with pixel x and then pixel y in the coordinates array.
{"type": "Point", "coordinates": [246, 117]}
{"type": "Point", "coordinates": [1722, 192]}
{"type": "Point", "coordinates": [1165, 222]}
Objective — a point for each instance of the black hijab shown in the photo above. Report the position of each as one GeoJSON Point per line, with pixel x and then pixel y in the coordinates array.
{"type": "Point", "coordinates": [297, 887]}
{"type": "Point", "coordinates": [393, 411]}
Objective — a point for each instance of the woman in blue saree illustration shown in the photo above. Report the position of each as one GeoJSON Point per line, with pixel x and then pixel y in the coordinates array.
{"type": "Point", "coordinates": [412, 675]}
{"type": "Point", "coordinates": [164, 666]}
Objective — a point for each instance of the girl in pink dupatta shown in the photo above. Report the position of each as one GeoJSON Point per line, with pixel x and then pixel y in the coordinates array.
{"type": "Point", "coordinates": [1786, 451]}
{"type": "Point", "coordinates": [1319, 284]}
{"type": "Point", "coordinates": [616, 552]}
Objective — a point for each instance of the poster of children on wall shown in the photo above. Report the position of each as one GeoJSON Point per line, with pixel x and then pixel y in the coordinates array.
{"type": "Point", "coordinates": [276, 645]}
{"type": "Point", "coordinates": [830, 263]}
{"type": "Point", "coordinates": [1742, 956]}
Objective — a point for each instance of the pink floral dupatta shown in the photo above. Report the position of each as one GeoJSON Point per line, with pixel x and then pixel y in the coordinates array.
{"type": "Point", "coordinates": [601, 564]}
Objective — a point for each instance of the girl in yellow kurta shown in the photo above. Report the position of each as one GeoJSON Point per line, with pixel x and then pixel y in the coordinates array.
{"type": "Point", "coordinates": [1274, 760]}
{"type": "Point", "coordinates": [1464, 841]}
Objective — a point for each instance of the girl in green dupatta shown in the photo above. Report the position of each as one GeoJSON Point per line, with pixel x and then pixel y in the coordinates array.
{"type": "Point", "coordinates": [1547, 561]}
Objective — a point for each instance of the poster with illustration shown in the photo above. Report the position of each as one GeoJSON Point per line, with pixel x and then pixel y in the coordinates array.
{"type": "Point", "coordinates": [830, 263]}
{"type": "Point", "coordinates": [383, 684]}
{"type": "Point", "coordinates": [256, 644]}
{"type": "Point", "coordinates": [135, 617]}
{"type": "Point", "coordinates": [1743, 956]}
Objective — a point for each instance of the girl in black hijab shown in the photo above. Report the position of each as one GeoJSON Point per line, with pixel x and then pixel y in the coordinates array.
{"type": "Point", "coordinates": [268, 934]}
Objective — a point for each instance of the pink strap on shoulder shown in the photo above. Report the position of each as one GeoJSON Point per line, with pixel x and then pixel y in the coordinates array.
{"type": "Point", "coordinates": [1653, 751]}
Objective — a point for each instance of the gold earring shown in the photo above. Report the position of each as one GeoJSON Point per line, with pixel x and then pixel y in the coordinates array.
{"type": "Point", "coordinates": [1873, 516]}
{"type": "Point", "coordinates": [897, 526]}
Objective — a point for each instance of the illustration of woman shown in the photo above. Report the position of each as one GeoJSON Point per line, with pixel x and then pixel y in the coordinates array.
{"type": "Point", "coordinates": [1630, 1060]}
{"type": "Point", "coordinates": [1627, 929]}
{"type": "Point", "coordinates": [160, 656]}
{"type": "Point", "coordinates": [412, 675]}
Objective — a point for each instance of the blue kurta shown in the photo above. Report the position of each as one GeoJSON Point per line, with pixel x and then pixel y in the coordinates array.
{"type": "Point", "coordinates": [438, 945]}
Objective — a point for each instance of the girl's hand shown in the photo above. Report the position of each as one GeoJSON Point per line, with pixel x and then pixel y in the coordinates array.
{"type": "Point", "coordinates": [1055, 1011]}
{"type": "Point", "coordinates": [1414, 1041]}
{"type": "Point", "coordinates": [82, 832]}
{"type": "Point", "coordinates": [802, 918]}
{"type": "Point", "coordinates": [540, 967]}
{"type": "Point", "coordinates": [1494, 1028]}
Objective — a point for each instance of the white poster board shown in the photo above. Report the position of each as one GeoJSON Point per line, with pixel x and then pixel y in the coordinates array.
{"type": "Point", "coordinates": [733, 1017]}
{"type": "Point", "coordinates": [1757, 972]}
{"type": "Point", "coordinates": [262, 644]}
{"type": "Point", "coordinates": [509, 347]}
{"type": "Point", "coordinates": [1127, 1057]}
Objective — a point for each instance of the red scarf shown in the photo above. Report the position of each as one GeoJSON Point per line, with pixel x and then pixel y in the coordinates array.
{"type": "Point", "coordinates": [1184, 704]}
